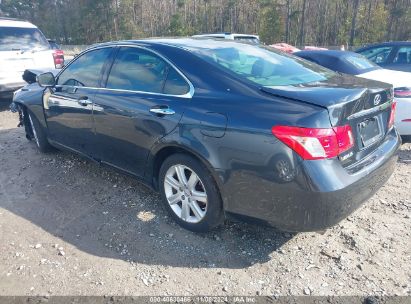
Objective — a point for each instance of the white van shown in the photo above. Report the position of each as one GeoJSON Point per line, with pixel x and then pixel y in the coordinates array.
{"type": "Point", "coordinates": [22, 46]}
{"type": "Point", "coordinates": [254, 39]}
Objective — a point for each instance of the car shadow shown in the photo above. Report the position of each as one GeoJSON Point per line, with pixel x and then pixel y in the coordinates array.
{"type": "Point", "coordinates": [108, 214]}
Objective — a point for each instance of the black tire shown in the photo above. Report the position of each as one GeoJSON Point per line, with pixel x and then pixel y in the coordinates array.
{"type": "Point", "coordinates": [214, 214]}
{"type": "Point", "coordinates": [37, 133]}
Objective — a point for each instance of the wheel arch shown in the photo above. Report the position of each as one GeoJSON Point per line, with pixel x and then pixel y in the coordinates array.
{"type": "Point", "coordinates": [162, 153]}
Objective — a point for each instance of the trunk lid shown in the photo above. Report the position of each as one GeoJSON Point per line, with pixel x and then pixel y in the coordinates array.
{"type": "Point", "coordinates": [363, 104]}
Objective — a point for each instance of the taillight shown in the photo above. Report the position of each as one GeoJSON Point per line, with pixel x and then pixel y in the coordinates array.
{"type": "Point", "coordinates": [402, 92]}
{"type": "Point", "coordinates": [392, 114]}
{"type": "Point", "coordinates": [316, 143]}
{"type": "Point", "coordinates": [58, 57]}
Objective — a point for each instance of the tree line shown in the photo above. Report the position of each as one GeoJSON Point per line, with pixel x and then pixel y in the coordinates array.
{"type": "Point", "coordinates": [298, 22]}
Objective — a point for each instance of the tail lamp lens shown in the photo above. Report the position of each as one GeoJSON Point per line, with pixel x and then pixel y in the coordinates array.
{"type": "Point", "coordinates": [392, 114]}
{"type": "Point", "coordinates": [316, 143]}
{"type": "Point", "coordinates": [58, 57]}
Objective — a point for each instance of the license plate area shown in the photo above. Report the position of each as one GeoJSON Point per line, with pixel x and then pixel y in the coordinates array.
{"type": "Point", "coordinates": [370, 131]}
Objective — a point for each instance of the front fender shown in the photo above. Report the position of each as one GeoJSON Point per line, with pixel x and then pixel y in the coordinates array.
{"type": "Point", "coordinates": [30, 98]}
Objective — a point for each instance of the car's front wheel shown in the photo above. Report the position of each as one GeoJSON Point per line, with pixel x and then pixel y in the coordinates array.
{"type": "Point", "coordinates": [190, 193]}
{"type": "Point", "coordinates": [38, 134]}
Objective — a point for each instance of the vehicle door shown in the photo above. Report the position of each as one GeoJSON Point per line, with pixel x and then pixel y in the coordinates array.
{"type": "Point", "coordinates": [143, 100]}
{"type": "Point", "coordinates": [69, 105]}
{"type": "Point", "coordinates": [401, 60]}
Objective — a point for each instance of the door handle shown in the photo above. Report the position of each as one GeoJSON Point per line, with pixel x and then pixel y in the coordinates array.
{"type": "Point", "coordinates": [162, 111]}
{"type": "Point", "coordinates": [84, 101]}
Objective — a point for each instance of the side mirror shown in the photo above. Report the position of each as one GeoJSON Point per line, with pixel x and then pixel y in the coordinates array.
{"type": "Point", "coordinates": [46, 80]}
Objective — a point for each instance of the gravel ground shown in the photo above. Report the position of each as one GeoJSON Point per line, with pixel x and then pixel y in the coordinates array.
{"type": "Point", "coordinates": [71, 227]}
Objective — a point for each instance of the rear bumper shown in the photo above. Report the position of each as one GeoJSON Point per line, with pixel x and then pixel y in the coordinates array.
{"type": "Point", "coordinates": [322, 194]}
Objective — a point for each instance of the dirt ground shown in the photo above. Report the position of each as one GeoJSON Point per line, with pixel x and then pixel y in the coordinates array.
{"type": "Point", "coordinates": [71, 227]}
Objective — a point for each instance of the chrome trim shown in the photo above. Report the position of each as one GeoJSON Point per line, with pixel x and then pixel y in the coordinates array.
{"type": "Point", "coordinates": [84, 102]}
{"type": "Point", "coordinates": [370, 111]}
{"type": "Point", "coordinates": [165, 111]}
{"type": "Point", "coordinates": [189, 94]}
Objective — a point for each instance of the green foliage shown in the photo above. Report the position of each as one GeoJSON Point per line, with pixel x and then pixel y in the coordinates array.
{"type": "Point", "coordinates": [271, 23]}
{"type": "Point", "coordinates": [176, 26]}
{"type": "Point", "coordinates": [327, 22]}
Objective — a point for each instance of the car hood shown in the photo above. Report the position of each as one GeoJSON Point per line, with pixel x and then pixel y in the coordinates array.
{"type": "Point", "coordinates": [396, 78]}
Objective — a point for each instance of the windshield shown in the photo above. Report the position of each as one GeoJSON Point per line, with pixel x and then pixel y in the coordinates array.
{"type": "Point", "coordinates": [361, 63]}
{"type": "Point", "coordinates": [263, 66]}
{"type": "Point", "coordinates": [16, 38]}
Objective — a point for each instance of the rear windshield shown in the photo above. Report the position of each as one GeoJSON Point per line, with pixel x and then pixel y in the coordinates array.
{"type": "Point", "coordinates": [263, 66]}
{"type": "Point", "coordinates": [361, 63]}
{"type": "Point", "coordinates": [16, 38]}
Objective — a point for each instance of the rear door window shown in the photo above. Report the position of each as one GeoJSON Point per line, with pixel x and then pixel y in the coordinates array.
{"type": "Point", "coordinates": [16, 38]}
{"type": "Point", "coordinates": [139, 70]}
{"type": "Point", "coordinates": [86, 70]}
{"type": "Point", "coordinates": [379, 55]}
{"type": "Point", "coordinates": [403, 55]}
{"type": "Point", "coordinates": [175, 83]}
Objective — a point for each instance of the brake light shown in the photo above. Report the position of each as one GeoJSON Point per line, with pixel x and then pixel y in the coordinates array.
{"type": "Point", "coordinates": [58, 57]}
{"type": "Point", "coordinates": [392, 115]}
{"type": "Point", "coordinates": [402, 92]}
{"type": "Point", "coordinates": [316, 143]}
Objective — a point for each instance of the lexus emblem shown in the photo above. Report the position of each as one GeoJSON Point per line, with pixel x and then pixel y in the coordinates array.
{"type": "Point", "coordinates": [377, 99]}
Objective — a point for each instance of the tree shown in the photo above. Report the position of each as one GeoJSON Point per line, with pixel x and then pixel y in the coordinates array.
{"type": "Point", "coordinates": [354, 21]}
{"type": "Point", "coordinates": [300, 22]}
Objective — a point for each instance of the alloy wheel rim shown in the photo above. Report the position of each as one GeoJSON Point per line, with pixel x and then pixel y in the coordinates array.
{"type": "Point", "coordinates": [34, 131]}
{"type": "Point", "coordinates": [185, 193]}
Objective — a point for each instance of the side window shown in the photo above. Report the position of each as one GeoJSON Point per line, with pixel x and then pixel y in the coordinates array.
{"type": "Point", "coordinates": [137, 70]}
{"type": "Point", "coordinates": [403, 55]}
{"type": "Point", "coordinates": [86, 70]}
{"type": "Point", "coordinates": [175, 83]}
{"type": "Point", "coordinates": [378, 55]}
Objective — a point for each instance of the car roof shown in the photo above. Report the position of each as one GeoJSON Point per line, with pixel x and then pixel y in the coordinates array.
{"type": "Point", "coordinates": [219, 35]}
{"type": "Point", "coordinates": [389, 43]}
{"type": "Point", "coordinates": [189, 43]}
{"type": "Point", "coordinates": [9, 22]}
{"type": "Point", "coordinates": [329, 53]}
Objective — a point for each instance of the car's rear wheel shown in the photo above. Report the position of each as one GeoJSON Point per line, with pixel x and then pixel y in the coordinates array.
{"type": "Point", "coordinates": [38, 134]}
{"type": "Point", "coordinates": [190, 193]}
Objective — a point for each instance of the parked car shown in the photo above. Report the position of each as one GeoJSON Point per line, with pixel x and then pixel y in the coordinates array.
{"type": "Point", "coordinates": [253, 39]}
{"type": "Point", "coordinates": [285, 47]}
{"type": "Point", "coordinates": [58, 54]}
{"type": "Point", "coordinates": [389, 55]}
{"type": "Point", "coordinates": [356, 64]}
{"type": "Point", "coordinates": [22, 46]}
{"type": "Point", "coordinates": [53, 44]}
{"type": "Point", "coordinates": [314, 48]}
{"type": "Point", "coordinates": [221, 128]}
